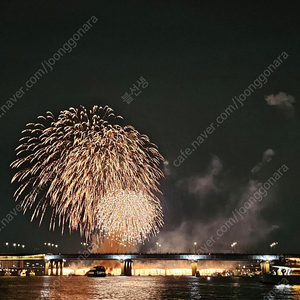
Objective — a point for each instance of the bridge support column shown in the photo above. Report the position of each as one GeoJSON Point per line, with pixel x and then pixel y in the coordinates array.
{"type": "Point", "coordinates": [265, 267]}
{"type": "Point", "coordinates": [194, 267]}
{"type": "Point", "coordinates": [47, 263]}
{"type": "Point", "coordinates": [122, 267]}
{"type": "Point", "coordinates": [126, 267]}
{"type": "Point", "coordinates": [61, 267]}
{"type": "Point", "coordinates": [51, 267]}
{"type": "Point", "coordinates": [56, 267]}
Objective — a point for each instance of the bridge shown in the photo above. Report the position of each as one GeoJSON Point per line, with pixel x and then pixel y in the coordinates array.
{"type": "Point", "coordinates": [56, 261]}
{"type": "Point", "coordinates": [164, 256]}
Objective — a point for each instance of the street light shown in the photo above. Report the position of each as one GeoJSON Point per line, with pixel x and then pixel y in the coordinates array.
{"type": "Point", "coordinates": [157, 247]}
{"type": "Point", "coordinates": [234, 247]}
{"type": "Point", "coordinates": [273, 245]}
{"type": "Point", "coordinates": [7, 245]}
{"type": "Point", "coordinates": [14, 244]}
{"type": "Point", "coordinates": [50, 245]}
{"type": "Point", "coordinates": [195, 246]}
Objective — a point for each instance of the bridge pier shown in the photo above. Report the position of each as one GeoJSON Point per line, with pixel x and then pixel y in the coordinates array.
{"type": "Point", "coordinates": [56, 264]}
{"type": "Point", "coordinates": [61, 267]}
{"type": "Point", "coordinates": [51, 267]}
{"type": "Point", "coordinates": [47, 263]}
{"type": "Point", "coordinates": [55, 267]}
{"type": "Point", "coordinates": [122, 267]}
{"type": "Point", "coordinates": [194, 267]}
{"type": "Point", "coordinates": [265, 267]}
{"type": "Point", "coordinates": [126, 267]}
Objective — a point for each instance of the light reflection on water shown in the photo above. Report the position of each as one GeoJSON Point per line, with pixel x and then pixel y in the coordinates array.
{"type": "Point", "coordinates": [137, 288]}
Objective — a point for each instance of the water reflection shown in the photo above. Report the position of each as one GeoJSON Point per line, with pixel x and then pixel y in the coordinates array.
{"type": "Point", "coordinates": [283, 292]}
{"type": "Point", "coordinates": [137, 288]}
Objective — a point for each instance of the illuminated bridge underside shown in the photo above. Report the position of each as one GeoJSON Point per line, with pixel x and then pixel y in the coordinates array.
{"type": "Point", "coordinates": [120, 257]}
{"type": "Point", "coordinates": [191, 257]}
{"type": "Point", "coordinates": [23, 257]}
{"type": "Point", "coordinates": [55, 262]}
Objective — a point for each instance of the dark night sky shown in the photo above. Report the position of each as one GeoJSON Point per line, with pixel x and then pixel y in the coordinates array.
{"type": "Point", "coordinates": [196, 56]}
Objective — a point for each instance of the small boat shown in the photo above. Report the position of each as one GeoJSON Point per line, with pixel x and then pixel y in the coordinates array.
{"type": "Point", "coordinates": [98, 271]}
{"type": "Point", "coordinates": [282, 275]}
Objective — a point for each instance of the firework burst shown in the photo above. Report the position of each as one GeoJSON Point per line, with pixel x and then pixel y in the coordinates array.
{"type": "Point", "coordinates": [95, 175]}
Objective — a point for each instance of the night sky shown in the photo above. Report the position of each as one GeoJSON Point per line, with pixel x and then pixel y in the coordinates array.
{"type": "Point", "coordinates": [196, 57]}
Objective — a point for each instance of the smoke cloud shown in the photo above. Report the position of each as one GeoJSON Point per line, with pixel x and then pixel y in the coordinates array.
{"type": "Point", "coordinates": [283, 101]}
{"type": "Point", "coordinates": [213, 197]}
{"type": "Point", "coordinates": [267, 156]}
{"type": "Point", "coordinates": [207, 182]}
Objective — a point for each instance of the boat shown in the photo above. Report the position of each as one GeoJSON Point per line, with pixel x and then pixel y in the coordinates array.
{"type": "Point", "coordinates": [98, 271]}
{"type": "Point", "coordinates": [282, 275]}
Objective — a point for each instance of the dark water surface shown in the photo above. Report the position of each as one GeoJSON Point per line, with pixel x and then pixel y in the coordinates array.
{"type": "Point", "coordinates": [141, 288]}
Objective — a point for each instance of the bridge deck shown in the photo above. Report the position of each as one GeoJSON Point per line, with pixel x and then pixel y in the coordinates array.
{"type": "Point", "coordinates": [162, 256]}
{"type": "Point", "coordinates": [146, 256]}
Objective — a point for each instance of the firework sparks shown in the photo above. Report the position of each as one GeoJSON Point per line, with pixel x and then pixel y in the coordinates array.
{"type": "Point", "coordinates": [95, 175]}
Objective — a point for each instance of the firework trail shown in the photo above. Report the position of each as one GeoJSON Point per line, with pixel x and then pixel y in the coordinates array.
{"type": "Point", "coordinates": [95, 175]}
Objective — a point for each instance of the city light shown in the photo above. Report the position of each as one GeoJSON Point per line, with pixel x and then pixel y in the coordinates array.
{"type": "Point", "coordinates": [50, 245]}
{"type": "Point", "coordinates": [15, 245]}
{"type": "Point", "coordinates": [234, 247]}
{"type": "Point", "coordinates": [273, 245]}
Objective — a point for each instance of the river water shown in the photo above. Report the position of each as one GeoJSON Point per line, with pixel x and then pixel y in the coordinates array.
{"type": "Point", "coordinates": [140, 288]}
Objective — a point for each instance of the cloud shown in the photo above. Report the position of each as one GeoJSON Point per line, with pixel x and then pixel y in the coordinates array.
{"type": "Point", "coordinates": [283, 101]}
{"type": "Point", "coordinates": [267, 156]}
